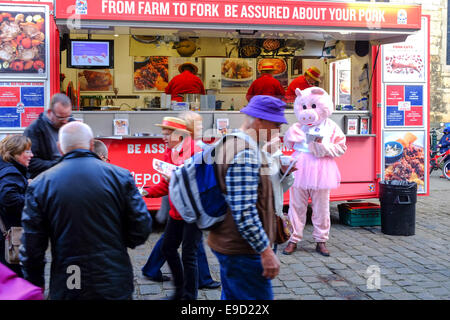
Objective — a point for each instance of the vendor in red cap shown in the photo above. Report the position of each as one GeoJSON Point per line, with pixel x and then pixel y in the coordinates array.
{"type": "Point", "coordinates": [185, 82]}
{"type": "Point", "coordinates": [310, 79]}
{"type": "Point", "coordinates": [266, 84]}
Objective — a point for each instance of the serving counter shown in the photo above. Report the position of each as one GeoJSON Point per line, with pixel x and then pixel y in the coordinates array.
{"type": "Point", "coordinates": [137, 150]}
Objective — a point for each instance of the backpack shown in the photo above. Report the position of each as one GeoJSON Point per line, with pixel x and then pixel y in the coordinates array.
{"type": "Point", "coordinates": [194, 189]}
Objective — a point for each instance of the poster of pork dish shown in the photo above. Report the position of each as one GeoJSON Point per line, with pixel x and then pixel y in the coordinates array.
{"type": "Point", "coordinates": [406, 61]}
{"type": "Point", "coordinates": [22, 40]}
{"type": "Point", "coordinates": [404, 157]}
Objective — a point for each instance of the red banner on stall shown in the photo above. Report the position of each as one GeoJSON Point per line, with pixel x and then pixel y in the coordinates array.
{"type": "Point", "coordinates": [297, 13]}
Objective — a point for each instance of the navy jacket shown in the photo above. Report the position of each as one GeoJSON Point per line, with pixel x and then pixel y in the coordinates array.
{"type": "Point", "coordinates": [92, 212]}
{"type": "Point", "coordinates": [13, 183]}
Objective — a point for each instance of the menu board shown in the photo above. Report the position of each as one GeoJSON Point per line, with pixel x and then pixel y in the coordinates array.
{"type": "Point", "coordinates": [23, 40]}
{"type": "Point", "coordinates": [404, 105]}
{"type": "Point", "coordinates": [406, 61]}
{"type": "Point", "coordinates": [404, 157]}
{"type": "Point", "coordinates": [20, 103]}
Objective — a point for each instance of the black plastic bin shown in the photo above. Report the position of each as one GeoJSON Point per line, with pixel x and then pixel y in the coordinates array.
{"type": "Point", "coordinates": [398, 207]}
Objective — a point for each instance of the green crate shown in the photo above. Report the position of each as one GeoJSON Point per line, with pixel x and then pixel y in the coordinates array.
{"type": "Point", "coordinates": [364, 214]}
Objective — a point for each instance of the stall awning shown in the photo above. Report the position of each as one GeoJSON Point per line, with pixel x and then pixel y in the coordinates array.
{"type": "Point", "coordinates": [384, 22]}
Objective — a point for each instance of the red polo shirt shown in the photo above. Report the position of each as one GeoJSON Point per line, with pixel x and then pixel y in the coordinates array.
{"type": "Point", "coordinates": [185, 82]}
{"type": "Point", "coordinates": [299, 82]}
{"type": "Point", "coordinates": [265, 85]}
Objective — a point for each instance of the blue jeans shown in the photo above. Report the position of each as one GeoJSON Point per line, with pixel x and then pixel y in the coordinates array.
{"type": "Point", "coordinates": [156, 260]}
{"type": "Point", "coordinates": [241, 277]}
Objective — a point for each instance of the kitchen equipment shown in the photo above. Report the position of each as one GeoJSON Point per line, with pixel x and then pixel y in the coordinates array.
{"type": "Point", "coordinates": [249, 51]}
{"type": "Point", "coordinates": [191, 97]}
{"type": "Point", "coordinates": [219, 104]}
{"type": "Point", "coordinates": [185, 48]}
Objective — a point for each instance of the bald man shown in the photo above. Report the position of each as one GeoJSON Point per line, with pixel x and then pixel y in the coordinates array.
{"type": "Point", "coordinates": [92, 212]}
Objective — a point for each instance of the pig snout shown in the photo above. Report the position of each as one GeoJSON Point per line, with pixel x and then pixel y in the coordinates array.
{"type": "Point", "coordinates": [308, 117]}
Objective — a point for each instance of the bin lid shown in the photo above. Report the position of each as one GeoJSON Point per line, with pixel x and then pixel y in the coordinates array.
{"type": "Point", "coordinates": [398, 184]}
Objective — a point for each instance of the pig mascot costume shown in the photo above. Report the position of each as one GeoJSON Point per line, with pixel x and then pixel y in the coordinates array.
{"type": "Point", "coordinates": [317, 140]}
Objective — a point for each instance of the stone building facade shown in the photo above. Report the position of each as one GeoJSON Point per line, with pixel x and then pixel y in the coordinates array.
{"type": "Point", "coordinates": [440, 70]}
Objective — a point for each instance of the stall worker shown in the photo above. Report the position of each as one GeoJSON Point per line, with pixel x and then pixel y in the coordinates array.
{"type": "Point", "coordinates": [266, 84]}
{"type": "Point", "coordinates": [186, 82]}
{"type": "Point", "coordinates": [310, 78]}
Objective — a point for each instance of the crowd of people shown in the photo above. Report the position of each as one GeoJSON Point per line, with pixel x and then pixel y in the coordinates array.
{"type": "Point", "coordinates": [57, 184]}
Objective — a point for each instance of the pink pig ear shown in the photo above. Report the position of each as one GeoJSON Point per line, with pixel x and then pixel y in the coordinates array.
{"type": "Point", "coordinates": [298, 92]}
{"type": "Point", "coordinates": [318, 91]}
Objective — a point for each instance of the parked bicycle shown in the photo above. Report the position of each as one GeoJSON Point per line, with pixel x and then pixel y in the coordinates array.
{"type": "Point", "coordinates": [440, 159]}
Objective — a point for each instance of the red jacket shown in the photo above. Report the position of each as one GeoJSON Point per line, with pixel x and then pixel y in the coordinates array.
{"type": "Point", "coordinates": [174, 157]}
{"type": "Point", "coordinates": [185, 82]}
{"type": "Point", "coordinates": [299, 82]}
{"type": "Point", "coordinates": [266, 85]}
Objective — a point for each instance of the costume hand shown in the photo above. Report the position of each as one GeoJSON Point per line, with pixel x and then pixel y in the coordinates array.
{"type": "Point", "coordinates": [270, 263]}
{"type": "Point", "coordinates": [284, 168]}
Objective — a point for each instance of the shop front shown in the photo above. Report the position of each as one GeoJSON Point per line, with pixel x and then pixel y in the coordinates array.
{"type": "Point", "coordinates": [115, 59]}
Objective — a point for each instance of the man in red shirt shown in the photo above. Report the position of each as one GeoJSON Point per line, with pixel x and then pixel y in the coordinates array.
{"type": "Point", "coordinates": [266, 84]}
{"type": "Point", "coordinates": [185, 82]}
{"type": "Point", "coordinates": [309, 79]}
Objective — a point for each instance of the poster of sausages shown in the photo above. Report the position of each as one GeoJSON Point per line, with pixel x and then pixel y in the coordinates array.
{"type": "Point", "coordinates": [406, 61]}
{"type": "Point", "coordinates": [22, 40]}
{"type": "Point", "coordinates": [151, 73]}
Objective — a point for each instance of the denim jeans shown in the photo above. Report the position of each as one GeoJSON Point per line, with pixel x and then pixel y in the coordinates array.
{"type": "Point", "coordinates": [241, 277]}
{"type": "Point", "coordinates": [156, 260]}
{"type": "Point", "coordinates": [184, 270]}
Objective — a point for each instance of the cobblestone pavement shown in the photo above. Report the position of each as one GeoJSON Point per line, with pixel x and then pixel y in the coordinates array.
{"type": "Point", "coordinates": [411, 267]}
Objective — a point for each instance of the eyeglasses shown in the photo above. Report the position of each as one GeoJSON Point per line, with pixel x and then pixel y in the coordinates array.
{"type": "Point", "coordinates": [28, 152]}
{"type": "Point", "coordinates": [61, 118]}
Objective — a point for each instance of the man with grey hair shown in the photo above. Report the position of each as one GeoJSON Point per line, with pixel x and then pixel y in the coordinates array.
{"type": "Point", "coordinates": [101, 150]}
{"type": "Point", "coordinates": [92, 212]}
{"type": "Point", "coordinates": [43, 133]}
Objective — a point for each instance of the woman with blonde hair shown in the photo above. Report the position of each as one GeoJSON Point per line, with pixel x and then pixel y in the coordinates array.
{"type": "Point", "coordinates": [15, 156]}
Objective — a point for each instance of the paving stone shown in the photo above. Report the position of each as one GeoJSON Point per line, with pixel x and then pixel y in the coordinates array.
{"type": "Point", "coordinates": [327, 292]}
{"type": "Point", "coordinates": [311, 279]}
{"type": "Point", "coordinates": [280, 290]}
{"type": "Point", "coordinates": [305, 273]}
{"type": "Point", "coordinates": [439, 291]}
{"type": "Point", "coordinates": [414, 289]}
{"type": "Point", "coordinates": [311, 297]}
{"type": "Point", "coordinates": [276, 283]}
{"type": "Point", "coordinates": [294, 284]}
{"type": "Point", "coordinates": [404, 271]}
{"type": "Point", "coordinates": [379, 296]}
{"type": "Point", "coordinates": [391, 289]}
{"type": "Point", "coordinates": [289, 276]}
{"type": "Point", "coordinates": [425, 296]}
{"type": "Point", "coordinates": [303, 291]}
{"type": "Point", "coordinates": [149, 289]}
{"type": "Point", "coordinates": [317, 285]}
{"type": "Point", "coordinates": [403, 296]}
{"type": "Point", "coordinates": [285, 297]}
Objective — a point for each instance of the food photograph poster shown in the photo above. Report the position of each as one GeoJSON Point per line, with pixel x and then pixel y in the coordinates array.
{"type": "Point", "coordinates": [406, 61]}
{"type": "Point", "coordinates": [98, 80]}
{"type": "Point", "coordinates": [237, 72]}
{"type": "Point", "coordinates": [280, 73]}
{"type": "Point", "coordinates": [22, 42]}
{"type": "Point", "coordinates": [404, 157]}
{"type": "Point", "coordinates": [151, 73]}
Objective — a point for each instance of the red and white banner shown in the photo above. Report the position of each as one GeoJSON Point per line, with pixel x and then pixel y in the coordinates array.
{"type": "Point", "coordinates": [296, 13]}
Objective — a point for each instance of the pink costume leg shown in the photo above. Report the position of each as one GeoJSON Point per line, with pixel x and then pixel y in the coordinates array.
{"type": "Point", "coordinates": [298, 205]}
{"type": "Point", "coordinates": [321, 214]}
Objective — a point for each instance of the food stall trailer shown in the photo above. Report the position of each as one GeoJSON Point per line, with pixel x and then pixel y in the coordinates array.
{"type": "Point", "coordinates": [373, 57]}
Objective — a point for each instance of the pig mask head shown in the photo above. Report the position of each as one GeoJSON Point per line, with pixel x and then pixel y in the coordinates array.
{"type": "Point", "coordinates": [312, 106]}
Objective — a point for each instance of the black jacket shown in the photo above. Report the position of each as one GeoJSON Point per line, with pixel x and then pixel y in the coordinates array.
{"type": "Point", "coordinates": [41, 145]}
{"type": "Point", "coordinates": [13, 183]}
{"type": "Point", "coordinates": [91, 211]}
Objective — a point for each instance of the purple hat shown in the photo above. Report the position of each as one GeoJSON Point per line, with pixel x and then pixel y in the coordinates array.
{"type": "Point", "coordinates": [267, 108]}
